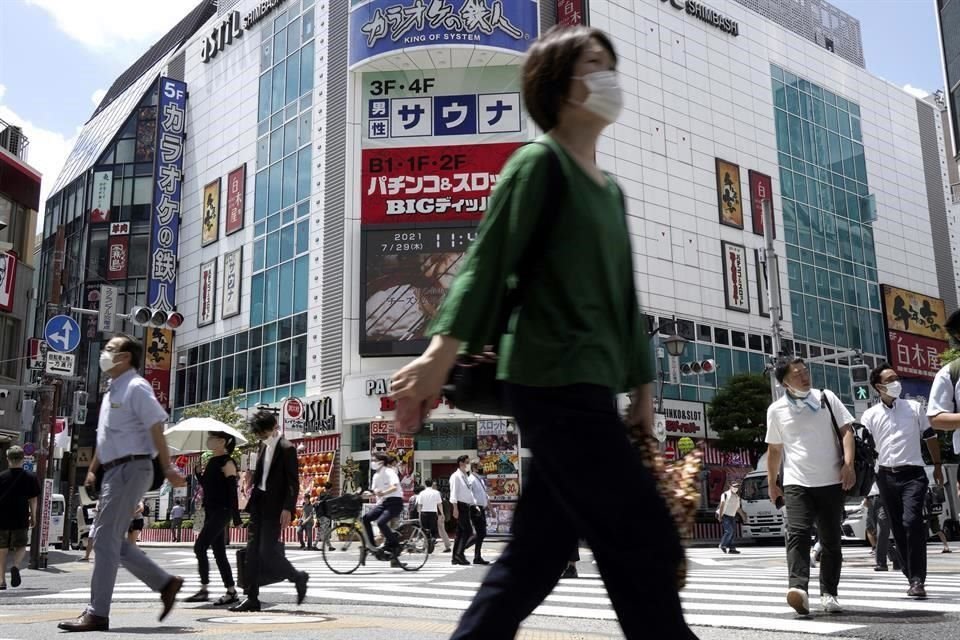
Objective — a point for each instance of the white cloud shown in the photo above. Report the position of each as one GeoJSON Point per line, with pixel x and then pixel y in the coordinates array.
{"type": "Point", "coordinates": [113, 24]}
{"type": "Point", "coordinates": [47, 151]}
{"type": "Point", "coordinates": [920, 94]}
{"type": "Point", "coordinates": [97, 97]}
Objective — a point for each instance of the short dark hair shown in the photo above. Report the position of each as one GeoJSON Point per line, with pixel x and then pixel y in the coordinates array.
{"type": "Point", "coordinates": [463, 459]}
{"type": "Point", "coordinates": [231, 442]}
{"type": "Point", "coordinates": [385, 458]}
{"type": "Point", "coordinates": [428, 483]}
{"type": "Point", "coordinates": [328, 485]}
{"type": "Point", "coordinates": [132, 346]}
{"type": "Point", "coordinates": [952, 325]}
{"type": "Point", "coordinates": [548, 70]}
{"type": "Point", "coordinates": [15, 454]}
{"type": "Point", "coordinates": [783, 367]}
{"type": "Point", "coordinates": [876, 373]}
{"type": "Point", "coordinates": [262, 421]}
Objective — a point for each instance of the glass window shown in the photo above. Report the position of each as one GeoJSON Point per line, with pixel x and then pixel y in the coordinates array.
{"type": "Point", "coordinates": [301, 287]}
{"type": "Point", "coordinates": [285, 328]}
{"type": "Point", "coordinates": [242, 341]}
{"type": "Point", "coordinates": [276, 191]}
{"type": "Point", "coordinates": [289, 180]}
{"type": "Point", "coordinates": [721, 336]}
{"type": "Point", "coordinates": [263, 152]}
{"type": "Point", "coordinates": [125, 151]}
{"type": "Point", "coordinates": [739, 339]}
{"type": "Point", "coordinates": [286, 289]}
{"type": "Point", "coordinates": [279, 86]}
{"type": "Point", "coordinates": [776, 72]}
{"type": "Point", "coordinates": [260, 196]}
{"type": "Point", "coordinates": [796, 136]}
{"type": "Point", "coordinates": [283, 362]}
{"type": "Point", "coordinates": [259, 252]}
{"type": "Point", "coordinates": [846, 150]}
{"type": "Point", "coordinates": [793, 101]}
{"type": "Point", "coordinates": [280, 46]}
{"type": "Point", "coordinates": [263, 110]}
{"type": "Point", "coordinates": [256, 299]}
{"type": "Point", "coordinates": [833, 123]}
{"type": "Point", "coordinates": [271, 295]}
{"type": "Point", "coordinates": [240, 367]}
{"type": "Point", "coordinates": [287, 216]}
{"type": "Point", "coordinates": [273, 249]}
{"type": "Point", "coordinates": [266, 52]}
{"type": "Point", "coordinates": [273, 222]}
{"type": "Point", "coordinates": [190, 391]}
{"type": "Point", "coordinates": [287, 242]}
{"type": "Point", "coordinates": [303, 179]}
{"type": "Point", "coordinates": [307, 62]}
{"type": "Point", "coordinates": [306, 122]}
{"type": "Point", "coordinates": [216, 381]}
{"type": "Point", "coordinates": [303, 237]}
{"type": "Point", "coordinates": [139, 253]}
{"type": "Point", "coordinates": [844, 122]}
{"type": "Point", "coordinates": [276, 145]}
{"type": "Point", "coordinates": [203, 379]}
{"type": "Point", "coordinates": [299, 359]}
{"type": "Point", "coordinates": [290, 140]}
{"type": "Point", "coordinates": [307, 27]}
{"type": "Point", "coordinates": [293, 36]}
{"type": "Point", "coordinates": [855, 131]}
{"type": "Point", "coordinates": [786, 183]}
{"type": "Point", "coordinates": [293, 78]}
{"type": "Point", "coordinates": [228, 343]}
{"type": "Point", "coordinates": [299, 322]}
{"type": "Point", "coordinates": [269, 366]}
{"type": "Point", "coordinates": [253, 370]}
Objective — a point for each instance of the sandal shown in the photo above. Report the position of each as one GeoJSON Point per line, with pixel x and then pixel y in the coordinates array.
{"type": "Point", "coordinates": [199, 596]}
{"type": "Point", "coordinates": [228, 598]}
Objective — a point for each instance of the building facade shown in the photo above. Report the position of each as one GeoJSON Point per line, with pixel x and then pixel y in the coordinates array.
{"type": "Point", "coordinates": [948, 26]}
{"type": "Point", "coordinates": [337, 158]}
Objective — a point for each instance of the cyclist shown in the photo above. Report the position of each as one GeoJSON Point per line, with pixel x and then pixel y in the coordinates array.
{"type": "Point", "coordinates": [386, 487]}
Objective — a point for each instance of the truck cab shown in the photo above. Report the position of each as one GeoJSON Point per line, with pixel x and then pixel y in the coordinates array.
{"type": "Point", "coordinates": [764, 521]}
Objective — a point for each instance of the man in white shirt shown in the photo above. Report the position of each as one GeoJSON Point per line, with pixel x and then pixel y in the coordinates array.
{"type": "Point", "coordinates": [463, 502]}
{"type": "Point", "coordinates": [897, 427]}
{"type": "Point", "coordinates": [429, 501]}
{"type": "Point", "coordinates": [942, 409]}
{"type": "Point", "coordinates": [386, 487]}
{"type": "Point", "coordinates": [727, 514]}
{"type": "Point", "coordinates": [805, 429]}
{"type": "Point", "coordinates": [478, 515]}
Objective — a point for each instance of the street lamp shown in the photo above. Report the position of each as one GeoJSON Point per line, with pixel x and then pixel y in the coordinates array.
{"type": "Point", "coordinates": [675, 345]}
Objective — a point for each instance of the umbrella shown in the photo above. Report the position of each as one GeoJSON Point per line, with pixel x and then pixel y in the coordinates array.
{"type": "Point", "coordinates": [191, 434]}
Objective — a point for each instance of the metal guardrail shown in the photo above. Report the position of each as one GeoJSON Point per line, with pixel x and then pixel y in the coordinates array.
{"type": "Point", "coordinates": [13, 140]}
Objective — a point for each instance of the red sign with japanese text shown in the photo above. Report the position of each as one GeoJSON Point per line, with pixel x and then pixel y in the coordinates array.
{"type": "Point", "coordinates": [158, 360]}
{"type": "Point", "coordinates": [160, 381]}
{"type": "Point", "coordinates": [430, 184]}
{"type": "Point", "coordinates": [761, 188]}
{"type": "Point", "coordinates": [915, 356]}
{"type": "Point", "coordinates": [236, 187]}
{"type": "Point", "coordinates": [571, 13]}
{"type": "Point", "coordinates": [118, 255]}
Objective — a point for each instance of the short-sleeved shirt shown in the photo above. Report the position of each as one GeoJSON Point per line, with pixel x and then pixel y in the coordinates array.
{"type": "Point", "coordinates": [731, 503]}
{"type": "Point", "coordinates": [897, 432]}
{"type": "Point", "coordinates": [383, 479]}
{"type": "Point", "coordinates": [17, 487]}
{"type": "Point", "coordinates": [812, 456]}
{"type": "Point", "coordinates": [944, 399]}
{"type": "Point", "coordinates": [429, 500]}
{"type": "Point", "coordinates": [127, 412]}
{"type": "Point", "coordinates": [176, 512]}
{"type": "Point", "coordinates": [479, 490]}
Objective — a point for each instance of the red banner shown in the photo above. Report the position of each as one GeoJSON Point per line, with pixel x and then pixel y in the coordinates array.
{"type": "Point", "coordinates": [571, 13]}
{"type": "Point", "coordinates": [160, 381]}
{"type": "Point", "coordinates": [761, 188]}
{"type": "Point", "coordinates": [118, 256]}
{"type": "Point", "coordinates": [915, 356]}
{"type": "Point", "coordinates": [430, 184]}
{"type": "Point", "coordinates": [236, 187]}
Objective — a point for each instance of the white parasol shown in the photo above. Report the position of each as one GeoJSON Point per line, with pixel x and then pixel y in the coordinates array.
{"type": "Point", "coordinates": [191, 434]}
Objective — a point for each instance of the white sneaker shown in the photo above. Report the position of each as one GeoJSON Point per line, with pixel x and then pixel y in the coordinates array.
{"type": "Point", "coordinates": [830, 604]}
{"type": "Point", "coordinates": [798, 599]}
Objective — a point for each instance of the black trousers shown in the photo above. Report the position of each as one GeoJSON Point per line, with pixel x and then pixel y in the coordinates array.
{"type": "Point", "coordinates": [903, 493]}
{"type": "Point", "coordinates": [464, 529]}
{"type": "Point", "coordinates": [633, 537]}
{"type": "Point", "coordinates": [266, 562]}
{"type": "Point", "coordinates": [478, 518]}
{"type": "Point", "coordinates": [431, 524]}
{"type": "Point", "coordinates": [382, 514]}
{"type": "Point", "coordinates": [808, 507]}
{"type": "Point", "coordinates": [212, 536]}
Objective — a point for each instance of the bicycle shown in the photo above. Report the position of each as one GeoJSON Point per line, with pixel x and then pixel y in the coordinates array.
{"type": "Point", "coordinates": [349, 540]}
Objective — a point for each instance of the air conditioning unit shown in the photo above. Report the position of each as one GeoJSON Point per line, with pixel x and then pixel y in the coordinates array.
{"type": "Point", "coordinates": [11, 139]}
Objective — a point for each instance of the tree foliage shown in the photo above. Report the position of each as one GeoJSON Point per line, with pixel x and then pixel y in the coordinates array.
{"type": "Point", "coordinates": [738, 413]}
{"type": "Point", "coordinates": [949, 355]}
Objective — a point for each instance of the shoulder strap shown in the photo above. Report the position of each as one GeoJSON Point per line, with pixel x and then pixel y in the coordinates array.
{"type": "Point", "coordinates": [954, 377]}
{"type": "Point", "coordinates": [824, 402]}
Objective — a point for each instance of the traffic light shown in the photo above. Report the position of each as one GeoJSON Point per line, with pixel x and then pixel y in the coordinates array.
{"type": "Point", "coordinates": [146, 317]}
{"type": "Point", "coordinates": [860, 382]}
{"type": "Point", "coordinates": [703, 367]}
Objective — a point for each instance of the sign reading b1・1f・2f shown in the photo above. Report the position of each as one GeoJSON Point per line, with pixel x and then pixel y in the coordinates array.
{"type": "Point", "coordinates": [168, 184]}
{"type": "Point", "coordinates": [381, 26]}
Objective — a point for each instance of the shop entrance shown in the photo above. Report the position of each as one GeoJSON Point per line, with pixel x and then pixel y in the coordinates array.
{"type": "Point", "coordinates": [441, 472]}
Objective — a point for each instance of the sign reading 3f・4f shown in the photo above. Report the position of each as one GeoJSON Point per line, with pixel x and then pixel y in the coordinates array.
{"type": "Point", "coordinates": [165, 214]}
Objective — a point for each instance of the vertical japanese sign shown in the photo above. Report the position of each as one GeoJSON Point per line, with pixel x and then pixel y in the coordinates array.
{"type": "Point", "coordinates": [206, 313]}
{"type": "Point", "coordinates": [232, 283]}
{"type": "Point", "coordinates": [572, 13]}
{"type": "Point", "coordinates": [46, 506]}
{"type": "Point", "coordinates": [763, 286]}
{"type": "Point", "coordinates": [236, 190]}
{"type": "Point", "coordinates": [735, 277]}
{"type": "Point", "coordinates": [118, 257]}
{"type": "Point", "coordinates": [379, 27]}
{"type": "Point", "coordinates": [729, 196]}
{"type": "Point", "coordinates": [498, 449]}
{"type": "Point", "coordinates": [761, 189]}
{"type": "Point", "coordinates": [168, 177]}
{"type": "Point", "coordinates": [385, 439]}
{"type": "Point", "coordinates": [211, 213]}
{"type": "Point", "coordinates": [102, 194]}
{"type": "Point", "coordinates": [8, 280]}
{"type": "Point", "coordinates": [159, 343]}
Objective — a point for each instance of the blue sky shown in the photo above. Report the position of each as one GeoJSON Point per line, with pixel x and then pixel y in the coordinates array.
{"type": "Point", "coordinates": [56, 56]}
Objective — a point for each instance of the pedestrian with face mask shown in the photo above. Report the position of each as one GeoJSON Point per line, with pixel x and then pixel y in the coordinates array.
{"type": "Point", "coordinates": [386, 487]}
{"type": "Point", "coordinates": [816, 471]}
{"type": "Point", "coordinates": [556, 228]}
{"type": "Point", "coordinates": [727, 514]}
{"type": "Point", "coordinates": [898, 426]}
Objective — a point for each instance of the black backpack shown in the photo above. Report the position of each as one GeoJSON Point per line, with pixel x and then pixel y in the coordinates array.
{"type": "Point", "coordinates": [865, 453]}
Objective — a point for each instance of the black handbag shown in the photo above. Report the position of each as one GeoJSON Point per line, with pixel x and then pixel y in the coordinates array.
{"type": "Point", "coordinates": [472, 384]}
{"type": "Point", "coordinates": [865, 453]}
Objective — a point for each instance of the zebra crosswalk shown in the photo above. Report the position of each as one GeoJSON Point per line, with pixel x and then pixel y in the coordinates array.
{"type": "Point", "coordinates": [726, 593]}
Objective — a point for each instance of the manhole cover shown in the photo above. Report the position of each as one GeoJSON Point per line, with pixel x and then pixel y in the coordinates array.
{"type": "Point", "coordinates": [270, 619]}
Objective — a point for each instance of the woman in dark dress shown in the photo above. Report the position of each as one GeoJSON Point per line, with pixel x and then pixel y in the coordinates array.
{"type": "Point", "coordinates": [219, 482]}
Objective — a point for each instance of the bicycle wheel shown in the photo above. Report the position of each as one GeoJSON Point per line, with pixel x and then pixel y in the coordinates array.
{"type": "Point", "coordinates": [349, 550]}
{"type": "Point", "coordinates": [414, 548]}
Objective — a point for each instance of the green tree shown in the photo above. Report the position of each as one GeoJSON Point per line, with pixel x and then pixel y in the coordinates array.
{"type": "Point", "coordinates": [226, 411]}
{"type": "Point", "coordinates": [739, 413]}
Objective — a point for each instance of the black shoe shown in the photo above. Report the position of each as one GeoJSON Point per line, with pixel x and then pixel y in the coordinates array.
{"type": "Point", "coordinates": [447, 550]}
{"type": "Point", "coordinates": [881, 567]}
{"type": "Point", "coordinates": [459, 560]}
{"type": "Point", "coordinates": [331, 548]}
{"type": "Point", "coordinates": [86, 622]}
{"type": "Point", "coordinates": [301, 583]}
{"type": "Point", "coordinates": [569, 573]}
{"type": "Point", "coordinates": [917, 591]}
{"type": "Point", "coordinates": [733, 551]}
{"type": "Point", "coordinates": [15, 577]}
{"type": "Point", "coordinates": [228, 598]}
{"type": "Point", "coordinates": [396, 564]}
{"type": "Point", "coordinates": [199, 596]}
{"type": "Point", "coordinates": [480, 561]}
{"type": "Point", "coordinates": [250, 604]}
{"type": "Point", "coordinates": [168, 596]}
{"type": "Point", "coordinates": [303, 546]}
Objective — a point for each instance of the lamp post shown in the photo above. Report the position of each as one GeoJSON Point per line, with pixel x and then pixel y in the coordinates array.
{"type": "Point", "coordinates": [675, 344]}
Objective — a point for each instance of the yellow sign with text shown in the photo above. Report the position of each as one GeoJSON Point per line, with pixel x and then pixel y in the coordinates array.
{"type": "Point", "coordinates": [914, 313]}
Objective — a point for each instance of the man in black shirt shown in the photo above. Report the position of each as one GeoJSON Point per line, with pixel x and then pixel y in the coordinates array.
{"type": "Point", "coordinates": [18, 512]}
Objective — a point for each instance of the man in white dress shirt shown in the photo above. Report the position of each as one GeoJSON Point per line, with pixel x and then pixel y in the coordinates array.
{"type": "Point", "coordinates": [464, 502]}
{"type": "Point", "coordinates": [943, 408]}
{"type": "Point", "coordinates": [430, 503]}
{"type": "Point", "coordinates": [478, 514]}
{"type": "Point", "coordinates": [897, 427]}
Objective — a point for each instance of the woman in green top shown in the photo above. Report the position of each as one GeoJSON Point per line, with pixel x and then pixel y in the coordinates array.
{"type": "Point", "coordinates": [576, 340]}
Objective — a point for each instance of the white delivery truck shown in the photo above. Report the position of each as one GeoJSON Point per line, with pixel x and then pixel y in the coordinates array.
{"type": "Point", "coordinates": [764, 520]}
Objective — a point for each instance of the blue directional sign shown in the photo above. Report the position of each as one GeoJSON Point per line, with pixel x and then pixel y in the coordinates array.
{"type": "Point", "coordinates": [62, 334]}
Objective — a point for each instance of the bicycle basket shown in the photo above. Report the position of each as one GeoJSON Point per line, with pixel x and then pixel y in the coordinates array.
{"type": "Point", "coordinates": [343, 507]}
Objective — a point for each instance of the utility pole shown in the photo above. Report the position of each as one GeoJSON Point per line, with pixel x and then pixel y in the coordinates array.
{"type": "Point", "coordinates": [773, 292]}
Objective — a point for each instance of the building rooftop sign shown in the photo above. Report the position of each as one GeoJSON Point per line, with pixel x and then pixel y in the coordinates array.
{"type": "Point", "coordinates": [232, 28]}
{"type": "Point", "coordinates": [706, 14]}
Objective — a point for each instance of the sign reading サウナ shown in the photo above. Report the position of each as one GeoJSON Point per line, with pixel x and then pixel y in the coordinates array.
{"type": "Point", "coordinates": [165, 215]}
{"type": "Point", "coordinates": [379, 27]}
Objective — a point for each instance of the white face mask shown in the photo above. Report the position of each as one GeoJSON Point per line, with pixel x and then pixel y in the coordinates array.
{"type": "Point", "coordinates": [375, 465]}
{"type": "Point", "coordinates": [799, 395]}
{"type": "Point", "coordinates": [606, 96]}
{"type": "Point", "coordinates": [894, 389]}
{"type": "Point", "coordinates": [106, 361]}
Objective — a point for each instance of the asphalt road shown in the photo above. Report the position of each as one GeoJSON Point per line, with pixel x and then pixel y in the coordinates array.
{"type": "Point", "coordinates": [728, 597]}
